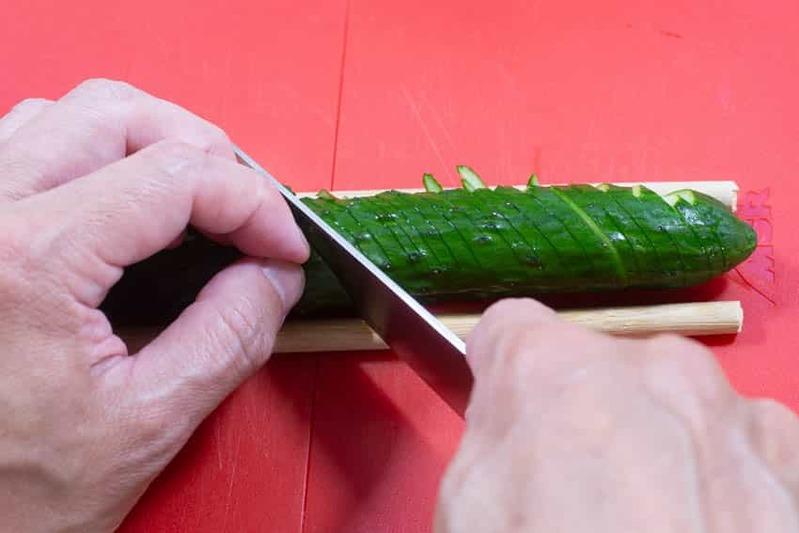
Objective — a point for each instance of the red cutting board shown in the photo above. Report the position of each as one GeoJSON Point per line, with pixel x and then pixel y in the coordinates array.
{"type": "Point", "coordinates": [373, 94]}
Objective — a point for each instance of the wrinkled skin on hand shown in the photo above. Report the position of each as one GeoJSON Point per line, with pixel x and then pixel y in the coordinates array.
{"type": "Point", "coordinates": [89, 184]}
{"type": "Point", "coordinates": [570, 430]}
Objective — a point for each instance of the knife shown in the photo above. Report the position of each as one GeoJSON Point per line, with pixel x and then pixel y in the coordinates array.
{"type": "Point", "coordinates": [414, 334]}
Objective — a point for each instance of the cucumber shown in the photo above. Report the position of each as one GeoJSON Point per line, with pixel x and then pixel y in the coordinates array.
{"type": "Point", "coordinates": [481, 243]}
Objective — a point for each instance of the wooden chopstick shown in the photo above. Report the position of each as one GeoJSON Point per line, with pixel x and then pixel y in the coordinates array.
{"type": "Point", "coordinates": [689, 319]}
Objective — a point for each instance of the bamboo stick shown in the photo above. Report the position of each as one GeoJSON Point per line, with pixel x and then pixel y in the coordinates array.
{"type": "Point", "coordinates": [689, 319]}
{"type": "Point", "coordinates": [724, 191]}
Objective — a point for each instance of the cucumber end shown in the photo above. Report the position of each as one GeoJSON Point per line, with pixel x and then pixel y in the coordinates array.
{"type": "Point", "coordinates": [532, 183]}
{"type": "Point", "coordinates": [604, 187]}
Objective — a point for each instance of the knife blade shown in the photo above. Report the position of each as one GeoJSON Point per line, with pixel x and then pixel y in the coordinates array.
{"type": "Point", "coordinates": [414, 334]}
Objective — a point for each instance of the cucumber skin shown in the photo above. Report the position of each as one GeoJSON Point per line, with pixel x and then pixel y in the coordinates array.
{"type": "Point", "coordinates": [484, 244]}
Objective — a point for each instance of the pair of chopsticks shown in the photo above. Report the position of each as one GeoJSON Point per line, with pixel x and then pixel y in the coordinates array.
{"type": "Point", "coordinates": [689, 319]}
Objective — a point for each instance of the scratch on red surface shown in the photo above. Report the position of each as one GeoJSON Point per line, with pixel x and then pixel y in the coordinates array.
{"type": "Point", "coordinates": [311, 420]}
{"type": "Point", "coordinates": [231, 482]}
{"type": "Point", "coordinates": [437, 118]}
{"type": "Point", "coordinates": [340, 96]}
{"type": "Point", "coordinates": [423, 124]}
{"type": "Point", "coordinates": [537, 154]}
{"type": "Point", "coordinates": [754, 287]}
{"type": "Point", "coordinates": [217, 437]}
{"type": "Point", "coordinates": [668, 33]}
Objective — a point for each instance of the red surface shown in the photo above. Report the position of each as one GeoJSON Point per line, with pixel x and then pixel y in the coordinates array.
{"type": "Point", "coordinates": [374, 94]}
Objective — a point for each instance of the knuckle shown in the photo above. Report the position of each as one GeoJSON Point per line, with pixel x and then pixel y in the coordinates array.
{"type": "Point", "coordinates": [522, 348]}
{"type": "Point", "coordinates": [208, 137]}
{"type": "Point", "coordinates": [174, 157]}
{"type": "Point", "coordinates": [494, 342]}
{"type": "Point", "coordinates": [176, 149]}
{"type": "Point", "coordinates": [217, 136]}
{"type": "Point", "coordinates": [773, 430]}
{"type": "Point", "coordinates": [772, 415]}
{"type": "Point", "coordinates": [686, 356]}
{"type": "Point", "coordinates": [243, 338]}
{"type": "Point", "coordinates": [525, 309]}
{"type": "Point", "coordinates": [122, 100]}
{"type": "Point", "coordinates": [686, 375]}
{"type": "Point", "coordinates": [672, 346]}
{"type": "Point", "coordinates": [500, 308]}
{"type": "Point", "coordinates": [511, 344]}
{"type": "Point", "coordinates": [31, 281]}
{"type": "Point", "coordinates": [507, 325]}
{"type": "Point", "coordinates": [591, 397]}
{"type": "Point", "coordinates": [30, 104]}
{"type": "Point", "coordinates": [106, 89]}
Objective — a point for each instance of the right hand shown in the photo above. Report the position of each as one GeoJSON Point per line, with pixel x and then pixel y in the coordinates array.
{"type": "Point", "coordinates": [570, 430]}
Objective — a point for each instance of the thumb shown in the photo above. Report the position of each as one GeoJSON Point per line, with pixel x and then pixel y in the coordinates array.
{"type": "Point", "coordinates": [221, 339]}
{"type": "Point", "coordinates": [505, 328]}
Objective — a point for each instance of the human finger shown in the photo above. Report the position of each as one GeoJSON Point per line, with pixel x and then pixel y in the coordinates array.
{"type": "Point", "coordinates": [97, 123]}
{"type": "Point", "coordinates": [522, 335]}
{"type": "Point", "coordinates": [686, 377]}
{"type": "Point", "coordinates": [20, 114]}
{"type": "Point", "coordinates": [217, 342]}
{"type": "Point", "coordinates": [520, 352]}
{"type": "Point", "coordinates": [129, 210]}
{"type": "Point", "coordinates": [773, 430]}
{"type": "Point", "coordinates": [490, 334]}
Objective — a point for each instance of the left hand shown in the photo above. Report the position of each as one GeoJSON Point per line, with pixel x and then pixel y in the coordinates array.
{"type": "Point", "coordinates": [90, 184]}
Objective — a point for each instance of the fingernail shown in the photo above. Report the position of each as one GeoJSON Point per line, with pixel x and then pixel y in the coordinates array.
{"type": "Point", "coordinates": [286, 278]}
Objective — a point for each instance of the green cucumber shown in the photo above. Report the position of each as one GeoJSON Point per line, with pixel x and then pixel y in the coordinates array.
{"type": "Point", "coordinates": [478, 243]}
